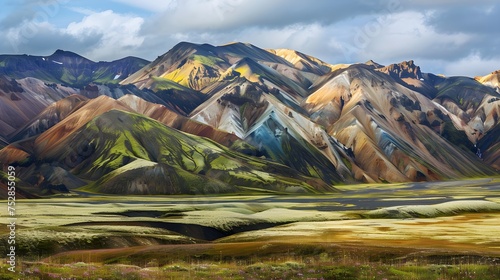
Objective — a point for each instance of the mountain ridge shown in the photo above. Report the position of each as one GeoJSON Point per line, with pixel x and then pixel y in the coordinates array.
{"type": "Point", "coordinates": [68, 68]}
{"type": "Point", "coordinates": [267, 119]}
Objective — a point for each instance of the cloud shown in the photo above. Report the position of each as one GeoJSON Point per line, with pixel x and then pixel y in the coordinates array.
{"type": "Point", "coordinates": [42, 39]}
{"type": "Point", "coordinates": [118, 33]}
{"type": "Point", "coordinates": [388, 32]}
{"type": "Point", "coordinates": [100, 36]}
{"type": "Point", "coordinates": [479, 21]}
{"type": "Point", "coordinates": [445, 4]}
{"type": "Point", "coordinates": [230, 15]}
{"type": "Point", "coordinates": [411, 35]}
{"type": "Point", "coordinates": [82, 11]}
{"type": "Point", "coordinates": [476, 19]}
{"type": "Point", "coordinates": [472, 65]}
{"type": "Point", "coordinates": [268, 24]}
{"type": "Point", "coordinates": [408, 37]}
{"type": "Point", "coordinates": [30, 10]}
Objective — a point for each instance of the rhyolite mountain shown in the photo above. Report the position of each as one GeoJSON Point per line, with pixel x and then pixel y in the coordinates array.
{"type": "Point", "coordinates": [204, 119]}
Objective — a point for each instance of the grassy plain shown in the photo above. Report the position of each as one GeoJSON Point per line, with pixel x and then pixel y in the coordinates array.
{"type": "Point", "coordinates": [437, 230]}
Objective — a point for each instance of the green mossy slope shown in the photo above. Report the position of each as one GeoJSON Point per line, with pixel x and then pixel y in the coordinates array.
{"type": "Point", "coordinates": [125, 153]}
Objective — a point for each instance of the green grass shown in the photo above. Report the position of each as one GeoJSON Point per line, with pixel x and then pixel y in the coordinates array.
{"type": "Point", "coordinates": [211, 61]}
{"type": "Point", "coordinates": [286, 267]}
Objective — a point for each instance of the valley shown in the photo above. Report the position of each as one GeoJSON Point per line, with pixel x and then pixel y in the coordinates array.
{"type": "Point", "coordinates": [448, 223]}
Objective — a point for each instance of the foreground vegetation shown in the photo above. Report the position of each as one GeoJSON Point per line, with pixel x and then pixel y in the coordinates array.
{"type": "Point", "coordinates": [322, 266]}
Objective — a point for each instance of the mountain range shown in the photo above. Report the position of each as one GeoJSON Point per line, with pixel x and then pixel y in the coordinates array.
{"type": "Point", "coordinates": [203, 119]}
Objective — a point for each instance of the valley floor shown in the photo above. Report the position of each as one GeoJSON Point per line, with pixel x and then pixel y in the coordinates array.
{"type": "Point", "coordinates": [436, 230]}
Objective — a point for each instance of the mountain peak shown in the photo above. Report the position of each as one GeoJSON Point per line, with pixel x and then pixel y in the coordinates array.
{"type": "Point", "coordinates": [67, 57]}
{"type": "Point", "coordinates": [491, 80]}
{"type": "Point", "coordinates": [373, 63]}
{"type": "Point", "coordinates": [405, 69]}
{"type": "Point", "coordinates": [60, 52]}
{"type": "Point", "coordinates": [188, 46]}
{"type": "Point", "coordinates": [238, 44]}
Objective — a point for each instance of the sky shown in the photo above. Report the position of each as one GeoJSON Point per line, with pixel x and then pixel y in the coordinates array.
{"type": "Point", "coordinates": [450, 37]}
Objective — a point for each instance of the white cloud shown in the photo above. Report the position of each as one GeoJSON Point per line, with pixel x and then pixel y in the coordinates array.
{"type": "Point", "coordinates": [232, 15]}
{"type": "Point", "coordinates": [98, 35]}
{"type": "Point", "coordinates": [83, 11]}
{"type": "Point", "coordinates": [406, 36]}
{"type": "Point", "coordinates": [472, 65]}
{"type": "Point", "coordinates": [119, 33]}
{"type": "Point", "coordinates": [298, 37]}
{"type": "Point", "coordinates": [309, 39]}
{"type": "Point", "coordinates": [21, 35]}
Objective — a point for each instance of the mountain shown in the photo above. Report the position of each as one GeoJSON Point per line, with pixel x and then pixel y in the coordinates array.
{"type": "Point", "coordinates": [22, 190]}
{"type": "Point", "coordinates": [3, 142]}
{"type": "Point", "coordinates": [491, 80]}
{"type": "Point", "coordinates": [393, 133]}
{"type": "Point", "coordinates": [23, 99]}
{"type": "Point", "coordinates": [116, 153]}
{"type": "Point", "coordinates": [50, 116]}
{"type": "Point", "coordinates": [304, 62]}
{"type": "Point", "coordinates": [475, 105]}
{"type": "Point", "coordinates": [177, 121]}
{"type": "Point", "coordinates": [31, 104]}
{"type": "Point", "coordinates": [409, 74]}
{"type": "Point", "coordinates": [187, 64]}
{"type": "Point", "coordinates": [406, 69]}
{"type": "Point", "coordinates": [69, 107]}
{"type": "Point", "coordinates": [282, 134]}
{"type": "Point", "coordinates": [57, 122]}
{"type": "Point", "coordinates": [489, 148]}
{"type": "Point", "coordinates": [198, 66]}
{"type": "Point", "coordinates": [68, 68]}
{"type": "Point", "coordinates": [237, 118]}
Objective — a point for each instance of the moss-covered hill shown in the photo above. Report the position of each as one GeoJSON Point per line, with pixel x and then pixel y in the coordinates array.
{"type": "Point", "coordinates": [125, 153]}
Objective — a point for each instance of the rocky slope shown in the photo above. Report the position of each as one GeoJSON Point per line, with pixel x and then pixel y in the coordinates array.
{"type": "Point", "coordinates": [393, 133]}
